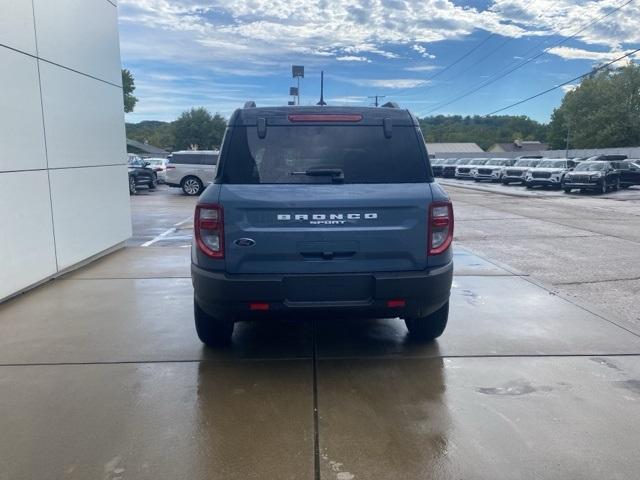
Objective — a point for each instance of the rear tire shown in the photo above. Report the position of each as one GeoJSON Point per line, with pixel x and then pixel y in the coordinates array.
{"type": "Point", "coordinates": [429, 327]}
{"type": "Point", "coordinates": [616, 185]}
{"type": "Point", "coordinates": [212, 331]}
{"type": "Point", "coordinates": [154, 182]}
{"type": "Point", "coordinates": [603, 187]}
{"type": "Point", "coordinates": [567, 190]}
{"type": "Point", "coordinates": [191, 186]}
{"type": "Point", "coordinates": [132, 185]}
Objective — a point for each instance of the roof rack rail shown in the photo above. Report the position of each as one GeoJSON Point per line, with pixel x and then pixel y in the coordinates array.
{"type": "Point", "coordinates": [249, 104]}
{"type": "Point", "coordinates": [391, 105]}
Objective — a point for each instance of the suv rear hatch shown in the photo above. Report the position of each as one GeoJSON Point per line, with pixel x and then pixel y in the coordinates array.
{"type": "Point", "coordinates": [325, 197]}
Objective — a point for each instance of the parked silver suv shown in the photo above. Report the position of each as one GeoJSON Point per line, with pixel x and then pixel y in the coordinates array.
{"type": "Point", "coordinates": [192, 170]}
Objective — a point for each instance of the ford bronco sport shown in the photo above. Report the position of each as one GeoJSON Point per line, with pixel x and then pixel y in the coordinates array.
{"type": "Point", "coordinates": [322, 210]}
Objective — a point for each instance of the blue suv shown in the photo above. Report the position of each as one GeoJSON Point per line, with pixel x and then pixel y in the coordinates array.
{"type": "Point", "coordinates": [322, 211]}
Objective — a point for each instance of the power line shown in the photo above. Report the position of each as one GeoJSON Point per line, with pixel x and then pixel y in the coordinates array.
{"type": "Point", "coordinates": [591, 72]}
{"type": "Point", "coordinates": [501, 74]}
{"type": "Point", "coordinates": [454, 63]}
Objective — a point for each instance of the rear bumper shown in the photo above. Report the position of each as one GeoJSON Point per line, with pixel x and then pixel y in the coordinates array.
{"type": "Point", "coordinates": [354, 295]}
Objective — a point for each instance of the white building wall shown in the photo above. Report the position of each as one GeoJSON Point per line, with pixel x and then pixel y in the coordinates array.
{"type": "Point", "coordinates": [63, 177]}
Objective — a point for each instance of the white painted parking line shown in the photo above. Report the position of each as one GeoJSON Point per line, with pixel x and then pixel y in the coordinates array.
{"type": "Point", "coordinates": [188, 219]}
{"type": "Point", "coordinates": [159, 237]}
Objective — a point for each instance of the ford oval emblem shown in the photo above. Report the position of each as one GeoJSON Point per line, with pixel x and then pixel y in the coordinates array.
{"type": "Point", "coordinates": [245, 242]}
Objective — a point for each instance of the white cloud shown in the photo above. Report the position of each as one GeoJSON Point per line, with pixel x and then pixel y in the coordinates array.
{"type": "Point", "coordinates": [421, 68]}
{"type": "Point", "coordinates": [387, 82]}
{"type": "Point", "coordinates": [571, 53]}
{"type": "Point", "coordinates": [423, 51]}
{"type": "Point", "coordinates": [569, 88]}
{"type": "Point", "coordinates": [352, 58]}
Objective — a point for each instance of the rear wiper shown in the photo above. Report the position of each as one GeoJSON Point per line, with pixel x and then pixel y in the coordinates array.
{"type": "Point", "coordinates": [336, 174]}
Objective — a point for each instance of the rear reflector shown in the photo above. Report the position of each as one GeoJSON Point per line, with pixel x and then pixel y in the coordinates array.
{"type": "Point", "coordinates": [397, 303]}
{"type": "Point", "coordinates": [440, 232]}
{"type": "Point", "coordinates": [324, 118]}
{"type": "Point", "coordinates": [258, 306]}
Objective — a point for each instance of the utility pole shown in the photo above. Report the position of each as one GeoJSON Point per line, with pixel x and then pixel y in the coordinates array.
{"type": "Point", "coordinates": [376, 98]}
{"type": "Point", "coordinates": [566, 152]}
{"type": "Point", "coordinates": [322, 103]}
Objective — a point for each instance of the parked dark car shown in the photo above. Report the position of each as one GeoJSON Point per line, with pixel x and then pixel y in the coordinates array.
{"type": "Point", "coordinates": [592, 175]}
{"type": "Point", "coordinates": [141, 175]}
{"type": "Point", "coordinates": [437, 164]}
{"type": "Point", "coordinates": [449, 167]}
{"type": "Point", "coordinates": [629, 172]}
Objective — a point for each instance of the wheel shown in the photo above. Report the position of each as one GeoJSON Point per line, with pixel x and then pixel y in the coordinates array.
{"type": "Point", "coordinates": [567, 190]}
{"type": "Point", "coordinates": [529, 186]}
{"type": "Point", "coordinates": [505, 182]}
{"type": "Point", "coordinates": [154, 182]}
{"type": "Point", "coordinates": [211, 331]}
{"type": "Point", "coordinates": [429, 327]}
{"type": "Point", "coordinates": [191, 186]}
{"type": "Point", "coordinates": [603, 188]}
{"type": "Point", "coordinates": [132, 185]}
{"type": "Point", "coordinates": [616, 186]}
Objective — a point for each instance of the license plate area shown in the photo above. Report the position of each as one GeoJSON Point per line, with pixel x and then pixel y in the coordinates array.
{"type": "Point", "coordinates": [329, 288]}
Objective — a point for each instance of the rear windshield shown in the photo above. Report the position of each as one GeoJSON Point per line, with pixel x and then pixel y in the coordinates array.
{"type": "Point", "coordinates": [324, 154]}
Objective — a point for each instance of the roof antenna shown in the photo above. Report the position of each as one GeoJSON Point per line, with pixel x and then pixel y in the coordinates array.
{"type": "Point", "coordinates": [321, 102]}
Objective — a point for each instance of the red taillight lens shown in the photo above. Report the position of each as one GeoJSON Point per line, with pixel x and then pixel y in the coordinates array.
{"type": "Point", "coordinates": [440, 227]}
{"type": "Point", "coordinates": [322, 117]}
{"type": "Point", "coordinates": [209, 229]}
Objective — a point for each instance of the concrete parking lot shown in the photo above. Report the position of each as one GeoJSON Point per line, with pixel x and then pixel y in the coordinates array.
{"type": "Point", "coordinates": [102, 375]}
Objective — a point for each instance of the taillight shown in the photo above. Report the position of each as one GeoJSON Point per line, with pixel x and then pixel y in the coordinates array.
{"type": "Point", "coordinates": [440, 227]}
{"type": "Point", "coordinates": [209, 229]}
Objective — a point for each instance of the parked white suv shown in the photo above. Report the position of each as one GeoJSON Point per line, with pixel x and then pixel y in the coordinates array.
{"type": "Point", "coordinates": [192, 170]}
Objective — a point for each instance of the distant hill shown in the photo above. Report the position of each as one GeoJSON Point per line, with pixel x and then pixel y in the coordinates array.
{"type": "Point", "coordinates": [485, 131]}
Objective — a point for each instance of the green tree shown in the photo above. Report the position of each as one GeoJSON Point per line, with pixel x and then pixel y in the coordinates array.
{"type": "Point", "coordinates": [485, 131]}
{"type": "Point", "coordinates": [128, 87]}
{"type": "Point", "coordinates": [197, 127]}
{"type": "Point", "coordinates": [603, 111]}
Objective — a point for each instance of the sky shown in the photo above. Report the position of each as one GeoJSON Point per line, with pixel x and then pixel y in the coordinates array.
{"type": "Point", "coordinates": [426, 55]}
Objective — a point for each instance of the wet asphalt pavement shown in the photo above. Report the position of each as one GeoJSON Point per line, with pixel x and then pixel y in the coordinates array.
{"type": "Point", "coordinates": [102, 377]}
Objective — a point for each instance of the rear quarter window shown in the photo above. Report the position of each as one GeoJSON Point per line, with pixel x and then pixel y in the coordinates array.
{"type": "Point", "coordinates": [362, 153]}
{"type": "Point", "coordinates": [186, 159]}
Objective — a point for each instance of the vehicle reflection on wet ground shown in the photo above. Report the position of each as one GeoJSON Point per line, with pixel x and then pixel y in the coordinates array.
{"type": "Point", "coordinates": [102, 376]}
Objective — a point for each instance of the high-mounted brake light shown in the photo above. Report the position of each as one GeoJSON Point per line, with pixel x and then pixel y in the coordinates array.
{"type": "Point", "coordinates": [440, 230]}
{"type": "Point", "coordinates": [324, 118]}
{"type": "Point", "coordinates": [209, 229]}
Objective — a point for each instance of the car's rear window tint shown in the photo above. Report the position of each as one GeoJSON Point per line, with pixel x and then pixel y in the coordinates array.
{"type": "Point", "coordinates": [362, 153]}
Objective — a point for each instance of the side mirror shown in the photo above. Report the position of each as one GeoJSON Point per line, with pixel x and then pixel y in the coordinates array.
{"type": "Point", "coordinates": [146, 164]}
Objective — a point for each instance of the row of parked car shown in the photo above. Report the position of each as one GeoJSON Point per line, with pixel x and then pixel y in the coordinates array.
{"type": "Point", "coordinates": [600, 173]}
{"type": "Point", "coordinates": [190, 170]}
